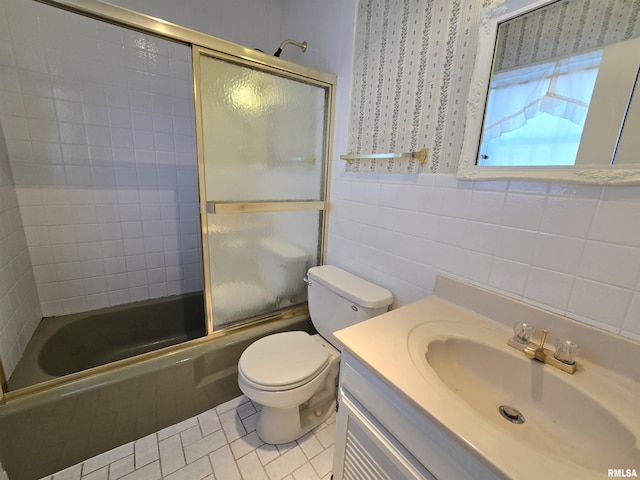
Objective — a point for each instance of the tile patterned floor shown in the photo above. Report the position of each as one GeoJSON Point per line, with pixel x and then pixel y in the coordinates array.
{"type": "Point", "coordinates": [219, 444]}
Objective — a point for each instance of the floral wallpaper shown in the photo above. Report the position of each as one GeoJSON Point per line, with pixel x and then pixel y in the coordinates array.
{"type": "Point", "coordinates": [412, 68]}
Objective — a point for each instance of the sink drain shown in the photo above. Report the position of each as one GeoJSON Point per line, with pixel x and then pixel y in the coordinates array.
{"type": "Point", "coordinates": [511, 414]}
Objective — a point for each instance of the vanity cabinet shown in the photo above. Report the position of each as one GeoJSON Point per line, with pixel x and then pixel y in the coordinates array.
{"type": "Point", "coordinates": [380, 435]}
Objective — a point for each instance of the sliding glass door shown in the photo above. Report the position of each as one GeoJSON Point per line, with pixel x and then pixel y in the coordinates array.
{"type": "Point", "coordinates": [263, 135]}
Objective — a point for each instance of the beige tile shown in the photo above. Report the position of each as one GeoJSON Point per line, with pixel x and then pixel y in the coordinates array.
{"type": "Point", "coordinates": [209, 422]}
{"type": "Point", "coordinates": [327, 436]}
{"type": "Point", "coordinates": [146, 450]}
{"type": "Point", "coordinates": [285, 447]}
{"type": "Point", "coordinates": [100, 474]}
{"type": "Point", "coordinates": [204, 446]}
{"type": "Point", "coordinates": [191, 435]}
{"type": "Point", "coordinates": [246, 444]}
{"type": "Point", "coordinates": [310, 445]}
{"type": "Point", "coordinates": [121, 467]}
{"type": "Point", "coordinates": [171, 455]}
{"type": "Point", "coordinates": [232, 425]}
{"type": "Point", "coordinates": [323, 462]}
{"type": "Point", "coordinates": [251, 468]}
{"type": "Point", "coordinates": [224, 465]}
{"type": "Point", "coordinates": [148, 472]}
{"type": "Point", "coordinates": [305, 472]}
{"type": "Point", "coordinates": [267, 453]}
{"type": "Point", "coordinates": [285, 464]}
{"type": "Point", "coordinates": [195, 471]}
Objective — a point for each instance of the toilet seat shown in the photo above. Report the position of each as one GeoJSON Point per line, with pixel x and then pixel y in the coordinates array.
{"type": "Point", "coordinates": [283, 361]}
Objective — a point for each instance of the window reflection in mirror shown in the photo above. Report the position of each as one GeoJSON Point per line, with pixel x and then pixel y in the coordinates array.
{"type": "Point", "coordinates": [547, 71]}
{"type": "Point", "coordinates": [535, 114]}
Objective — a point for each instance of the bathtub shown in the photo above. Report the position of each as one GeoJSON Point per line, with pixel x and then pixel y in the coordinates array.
{"type": "Point", "coordinates": [73, 343]}
{"type": "Point", "coordinates": [47, 427]}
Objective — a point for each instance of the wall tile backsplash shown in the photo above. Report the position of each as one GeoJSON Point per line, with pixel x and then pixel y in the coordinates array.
{"type": "Point", "coordinates": [506, 236]}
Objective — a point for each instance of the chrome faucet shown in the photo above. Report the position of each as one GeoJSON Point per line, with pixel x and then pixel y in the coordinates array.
{"type": "Point", "coordinates": [562, 359]}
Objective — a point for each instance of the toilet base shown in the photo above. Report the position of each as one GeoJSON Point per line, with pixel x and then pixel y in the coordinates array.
{"type": "Point", "coordinates": [284, 425]}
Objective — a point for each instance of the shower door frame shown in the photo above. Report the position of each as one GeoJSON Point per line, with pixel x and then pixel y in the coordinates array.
{"type": "Point", "coordinates": [293, 72]}
{"type": "Point", "coordinates": [130, 19]}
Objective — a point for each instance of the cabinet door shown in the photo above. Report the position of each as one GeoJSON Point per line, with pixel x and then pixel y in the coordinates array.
{"type": "Point", "coordinates": [365, 450]}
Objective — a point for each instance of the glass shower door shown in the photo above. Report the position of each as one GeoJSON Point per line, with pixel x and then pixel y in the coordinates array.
{"type": "Point", "coordinates": [263, 135]}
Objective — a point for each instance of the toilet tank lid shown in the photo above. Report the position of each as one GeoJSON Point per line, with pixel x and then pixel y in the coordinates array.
{"type": "Point", "coordinates": [355, 289]}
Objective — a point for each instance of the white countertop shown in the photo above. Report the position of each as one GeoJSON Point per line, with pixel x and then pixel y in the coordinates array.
{"type": "Point", "coordinates": [382, 345]}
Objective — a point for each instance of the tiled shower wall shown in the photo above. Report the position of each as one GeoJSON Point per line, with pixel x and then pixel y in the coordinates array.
{"type": "Point", "coordinates": [569, 248]}
{"type": "Point", "coordinates": [19, 306]}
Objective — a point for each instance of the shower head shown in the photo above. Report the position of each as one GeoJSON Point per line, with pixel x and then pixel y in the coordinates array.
{"type": "Point", "coordinates": [302, 45]}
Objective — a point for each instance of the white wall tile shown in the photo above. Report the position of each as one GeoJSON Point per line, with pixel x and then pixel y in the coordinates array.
{"type": "Point", "coordinates": [558, 253]}
{"type": "Point", "coordinates": [557, 262]}
{"type": "Point", "coordinates": [632, 320]}
{"type": "Point", "coordinates": [616, 222]}
{"type": "Point", "coordinates": [546, 287]}
{"type": "Point", "coordinates": [611, 264]}
{"type": "Point", "coordinates": [600, 304]}
{"type": "Point", "coordinates": [522, 211]}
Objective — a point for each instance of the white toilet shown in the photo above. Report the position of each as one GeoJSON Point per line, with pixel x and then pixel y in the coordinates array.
{"type": "Point", "coordinates": [294, 375]}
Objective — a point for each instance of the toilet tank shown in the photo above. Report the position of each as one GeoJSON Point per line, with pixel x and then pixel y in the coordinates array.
{"type": "Point", "coordinates": [338, 299]}
{"type": "Point", "coordinates": [282, 266]}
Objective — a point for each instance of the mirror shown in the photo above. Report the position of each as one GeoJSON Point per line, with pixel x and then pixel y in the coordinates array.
{"type": "Point", "coordinates": [552, 93]}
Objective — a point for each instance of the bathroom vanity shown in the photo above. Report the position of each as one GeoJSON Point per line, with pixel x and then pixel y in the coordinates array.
{"type": "Point", "coordinates": [421, 391]}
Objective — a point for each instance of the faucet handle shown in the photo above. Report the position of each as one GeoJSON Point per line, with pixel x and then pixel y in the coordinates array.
{"type": "Point", "coordinates": [566, 351]}
{"type": "Point", "coordinates": [545, 332]}
{"type": "Point", "coordinates": [523, 332]}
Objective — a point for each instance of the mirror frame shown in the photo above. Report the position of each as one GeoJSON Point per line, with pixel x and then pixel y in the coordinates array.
{"type": "Point", "coordinates": [491, 16]}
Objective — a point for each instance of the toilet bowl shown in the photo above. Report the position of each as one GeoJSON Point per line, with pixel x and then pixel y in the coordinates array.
{"type": "Point", "coordinates": [294, 375]}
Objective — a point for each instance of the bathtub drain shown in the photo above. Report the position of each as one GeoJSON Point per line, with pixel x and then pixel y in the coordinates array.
{"type": "Point", "coordinates": [511, 414]}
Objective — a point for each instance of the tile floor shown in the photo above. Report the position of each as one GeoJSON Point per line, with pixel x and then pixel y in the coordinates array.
{"type": "Point", "coordinates": [219, 444]}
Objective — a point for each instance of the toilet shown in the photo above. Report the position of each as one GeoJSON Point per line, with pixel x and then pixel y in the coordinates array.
{"type": "Point", "coordinates": [294, 375]}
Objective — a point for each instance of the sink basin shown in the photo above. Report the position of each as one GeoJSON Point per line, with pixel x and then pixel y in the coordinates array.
{"type": "Point", "coordinates": [564, 417]}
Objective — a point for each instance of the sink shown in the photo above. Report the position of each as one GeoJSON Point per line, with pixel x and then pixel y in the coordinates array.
{"type": "Point", "coordinates": [564, 416]}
